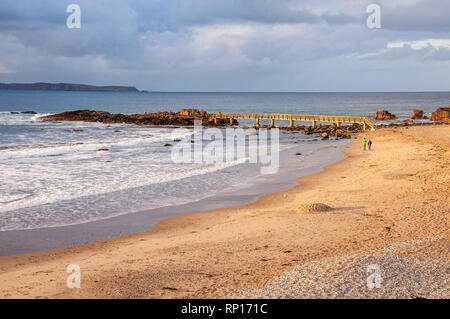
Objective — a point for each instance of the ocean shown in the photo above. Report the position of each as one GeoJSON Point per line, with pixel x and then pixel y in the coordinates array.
{"type": "Point", "coordinates": [52, 174]}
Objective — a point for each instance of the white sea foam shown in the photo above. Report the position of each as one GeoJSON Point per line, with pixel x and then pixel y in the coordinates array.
{"type": "Point", "coordinates": [53, 174]}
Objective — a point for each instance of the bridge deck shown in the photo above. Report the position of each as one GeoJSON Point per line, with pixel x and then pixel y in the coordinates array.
{"type": "Point", "coordinates": [298, 117]}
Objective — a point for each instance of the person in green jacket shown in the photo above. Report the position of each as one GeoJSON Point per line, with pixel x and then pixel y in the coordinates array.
{"type": "Point", "coordinates": [364, 143]}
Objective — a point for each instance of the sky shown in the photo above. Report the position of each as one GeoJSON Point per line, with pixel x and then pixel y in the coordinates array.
{"type": "Point", "coordinates": [229, 45]}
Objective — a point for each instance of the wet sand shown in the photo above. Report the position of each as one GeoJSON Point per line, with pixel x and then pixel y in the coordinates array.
{"type": "Point", "coordinates": [390, 206]}
{"type": "Point", "coordinates": [14, 242]}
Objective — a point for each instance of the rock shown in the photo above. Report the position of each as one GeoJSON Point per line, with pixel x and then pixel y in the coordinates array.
{"type": "Point", "coordinates": [314, 208]}
{"type": "Point", "coordinates": [417, 115]}
{"type": "Point", "coordinates": [166, 145]}
{"type": "Point", "coordinates": [407, 122]}
{"type": "Point", "coordinates": [324, 134]}
{"type": "Point", "coordinates": [182, 118]}
{"type": "Point", "coordinates": [383, 115]}
{"type": "Point", "coordinates": [29, 112]}
{"type": "Point", "coordinates": [298, 154]}
{"type": "Point", "coordinates": [442, 114]}
{"type": "Point", "coordinates": [14, 112]}
{"type": "Point", "coordinates": [192, 112]}
{"type": "Point", "coordinates": [103, 149]}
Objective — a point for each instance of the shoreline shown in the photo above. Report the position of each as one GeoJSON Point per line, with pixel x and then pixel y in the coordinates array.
{"type": "Point", "coordinates": [221, 252]}
{"type": "Point", "coordinates": [35, 240]}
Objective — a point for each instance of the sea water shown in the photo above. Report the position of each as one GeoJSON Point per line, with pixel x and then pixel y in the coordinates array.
{"type": "Point", "coordinates": [53, 174]}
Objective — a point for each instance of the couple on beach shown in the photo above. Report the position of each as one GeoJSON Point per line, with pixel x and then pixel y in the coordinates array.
{"type": "Point", "coordinates": [369, 144]}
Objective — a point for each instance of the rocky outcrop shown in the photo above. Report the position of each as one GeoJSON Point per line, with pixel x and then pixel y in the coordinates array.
{"type": "Point", "coordinates": [23, 112]}
{"type": "Point", "coordinates": [418, 115]}
{"type": "Point", "coordinates": [326, 131]}
{"type": "Point", "coordinates": [442, 114]}
{"type": "Point", "coordinates": [383, 115]}
{"type": "Point", "coordinates": [184, 118]}
{"type": "Point", "coordinates": [187, 118]}
{"type": "Point", "coordinates": [192, 113]}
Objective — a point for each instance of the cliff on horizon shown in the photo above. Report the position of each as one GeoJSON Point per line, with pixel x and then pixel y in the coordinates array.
{"type": "Point", "coordinates": [41, 86]}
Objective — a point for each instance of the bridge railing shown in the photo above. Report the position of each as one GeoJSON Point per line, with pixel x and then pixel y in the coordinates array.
{"type": "Point", "coordinates": [298, 117]}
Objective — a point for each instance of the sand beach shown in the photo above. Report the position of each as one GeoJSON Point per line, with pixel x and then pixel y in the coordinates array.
{"type": "Point", "coordinates": [388, 207]}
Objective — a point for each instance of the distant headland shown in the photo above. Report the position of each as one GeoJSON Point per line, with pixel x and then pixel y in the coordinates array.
{"type": "Point", "coordinates": [42, 86]}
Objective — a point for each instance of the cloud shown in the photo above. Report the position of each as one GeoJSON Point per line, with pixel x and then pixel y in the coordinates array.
{"type": "Point", "coordinates": [177, 14]}
{"type": "Point", "coordinates": [418, 50]}
{"type": "Point", "coordinates": [417, 15]}
{"type": "Point", "coordinates": [421, 44]}
{"type": "Point", "coordinates": [220, 45]}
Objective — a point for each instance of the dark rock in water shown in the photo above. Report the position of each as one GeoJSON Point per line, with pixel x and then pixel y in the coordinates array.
{"type": "Point", "coordinates": [187, 118]}
{"type": "Point", "coordinates": [116, 131]}
{"type": "Point", "coordinates": [192, 113]}
{"type": "Point", "coordinates": [383, 115]}
{"type": "Point", "coordinates": [14, 112]}
{"type": "Point", "coordinates": [417, 115]}
{"type": "Point", "coordinates": [103, 149]}
{"type": "Point", "coordinates": [298, 153]}
{"type": "Point", "coordinates": [442, 114]}
{"type": "Point", "coordinates": [167, 145]}
{"type": "Point", "coordinates": [177, 140]}
{"type": "Point", "coordinates": [29, 112]}
{"type": "Point", "coordinates": [182, 118]}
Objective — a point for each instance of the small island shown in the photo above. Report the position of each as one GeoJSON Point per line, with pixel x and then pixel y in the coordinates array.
{"type": "Point", "coordinates": [42, 86]}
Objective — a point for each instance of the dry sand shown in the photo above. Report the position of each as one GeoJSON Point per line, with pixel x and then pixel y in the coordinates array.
{"type": "Point", "coordinates": [390, 207]}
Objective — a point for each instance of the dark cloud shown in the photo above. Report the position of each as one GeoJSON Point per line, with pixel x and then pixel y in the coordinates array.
{"type": "Point", "coordinates": [218, 44]}
{"type": "Point", "coordinates": [422, 16]}
{"type": "Point", "coordinates": [163, 15]}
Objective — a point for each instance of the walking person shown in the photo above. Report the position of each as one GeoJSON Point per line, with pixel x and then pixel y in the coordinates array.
{"type": "Point", "coordinates": [369, 144]}
{"type": "Point", "coordinates": [364, 143]}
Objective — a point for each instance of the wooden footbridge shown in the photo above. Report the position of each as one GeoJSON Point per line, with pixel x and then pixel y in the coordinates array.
{"type": "Point", "coordinates": [365, 121]}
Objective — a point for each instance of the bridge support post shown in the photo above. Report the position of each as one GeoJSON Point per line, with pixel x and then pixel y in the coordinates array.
{"type": "Point", "coordinates": [291, 123]}
{"type": "Point", "coordinates": [364, 126]}
{"type": "Point", "coordinates": [272, 123]}
{"type": "Point", "coordinates": [215, 120]}
{"type": "Point", "coordinates": [313, 124]}
{"type": "Point", "coordinates": [338, 124]}
{"type": "Point", "coordinates": [231, 121]}
{"type": "Point", "coordinates": [257, 123]}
